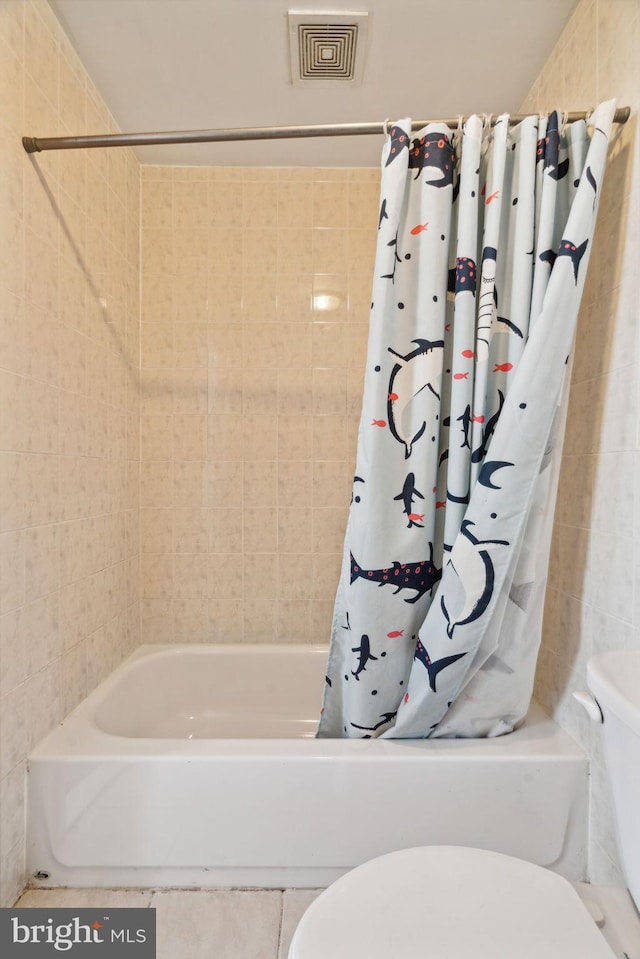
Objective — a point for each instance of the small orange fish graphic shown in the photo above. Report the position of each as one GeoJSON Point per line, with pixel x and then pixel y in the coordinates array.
{"type": "Point", "coordinates": [478, 419]}
{"type": "Point", "coordinates": [395, 634]}
{"type": "Point", "coordinates": [440, 504]}
{"type": "Point", "coordinates": [393, 396]}
{"type": "Point", "coordinates": [406, 698]}
{"type": "Point", "coordinates": [494, 196]}
{"type": "Point", "coordinates": [379, 423]}
{"type": "Point", "coordinates": [467, 353]}
{"type": "Point", "coordinates": [503, 367]}
{"type": "Point", "coordinates": [461, 376]}
{"type": "Point", "coordinates": [421, 227]}
{"type": "Point", "coordinates": [414, 517]}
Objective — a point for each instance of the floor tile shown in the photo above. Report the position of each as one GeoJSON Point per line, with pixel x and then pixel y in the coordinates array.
{"type": "Point", "coordinates": [84, 898]}
{"type": "Point", "coordinates": [218, 924]}
{"type": "Point", "coordinates": [295, 902]}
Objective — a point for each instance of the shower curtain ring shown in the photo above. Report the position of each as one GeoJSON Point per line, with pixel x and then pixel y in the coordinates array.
{"type": "Point", "coordinates": [563, 122]}
{"type": "Point", "coordinates": [385, 127]}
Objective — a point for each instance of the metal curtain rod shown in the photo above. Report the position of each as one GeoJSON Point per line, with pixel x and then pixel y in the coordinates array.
{"type": "Point", "coordinates": [38, 144]}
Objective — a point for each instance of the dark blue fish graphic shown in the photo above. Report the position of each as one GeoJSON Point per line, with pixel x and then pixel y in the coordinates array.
{"type": "Point", "coordinates": [476, 571]}
{"type": "Point", "coordinates": [485, 476]}
{"type": "Point", "coordinates": [575, 253]}
{"type": "Point", "coordinates": [465, 420]}
{"type": "Point", "coordinates": [479, 454]}
{"type": "Point", "coordinates": [419, 370]}
{"type": "Point", "coordinates": [433, 151]}
{"type": "Point", "coordinates": [407, 495]}
{"type": "Point", "coordinates": [399, 142]}
{"type": "Point", "coordinates": [384, 719]}
{"type": "Point", "coordinates": [462, 277]}
{"type": "Point", "coordinates": [554, 167]}
{"type": "Point", "coordinates": [328, 682]}
{"type": "Point", "coordinates": [396, 259]}
{"type": "Point", "coordinates": [548, 256]}
{"type": "Point", "coordinates": [434, 668]}
{"type": "Point", "coordinates": [365, 655]}
{"type": "Point", "coordinates": [421, 577]}
{"type": "Point", "coordinates": [383, 213]}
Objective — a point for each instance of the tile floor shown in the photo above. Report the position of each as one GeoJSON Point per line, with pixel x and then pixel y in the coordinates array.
{"type": "Point", "coordinates": [200, 924]}
{"type": "Point", "coordinates": [259, 923]}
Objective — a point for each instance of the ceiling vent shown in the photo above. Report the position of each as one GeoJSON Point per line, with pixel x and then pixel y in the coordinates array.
{"type": "Point", "coordinates": [327, 47]}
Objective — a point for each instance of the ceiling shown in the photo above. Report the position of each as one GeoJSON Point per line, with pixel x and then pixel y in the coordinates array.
{"type": "Point", "coordinates": [201, 64]}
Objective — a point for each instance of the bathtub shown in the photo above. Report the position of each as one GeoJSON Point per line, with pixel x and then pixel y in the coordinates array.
{"type": "Point", "coordinates": [198, 766]}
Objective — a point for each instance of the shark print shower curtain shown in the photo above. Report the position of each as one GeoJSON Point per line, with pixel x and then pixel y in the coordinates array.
{"type": "Point", "coordinates": [484, 237]}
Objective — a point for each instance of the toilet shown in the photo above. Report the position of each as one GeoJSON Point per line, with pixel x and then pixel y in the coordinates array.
{"type": "Point", "coordinates": [466, 903]}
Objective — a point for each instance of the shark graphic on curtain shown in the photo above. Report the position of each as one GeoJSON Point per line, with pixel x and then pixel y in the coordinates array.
{"type": "Point", "coordinates": [484, 237]}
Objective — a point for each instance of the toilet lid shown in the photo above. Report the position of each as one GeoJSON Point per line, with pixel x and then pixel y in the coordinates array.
{"type": "Point", "coordinates": [433, 902]}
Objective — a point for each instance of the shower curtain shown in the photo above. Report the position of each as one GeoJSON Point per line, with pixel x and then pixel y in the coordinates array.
{"type": "Point", "coordinates": [484, 235]}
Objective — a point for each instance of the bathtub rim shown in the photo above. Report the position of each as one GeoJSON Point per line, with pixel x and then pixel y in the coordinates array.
{"type": "Point", "coordinates": [78, 737]}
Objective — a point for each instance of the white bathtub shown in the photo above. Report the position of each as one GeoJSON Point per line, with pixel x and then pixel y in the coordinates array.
{"type": "Point", "coordinates": [196, 765]}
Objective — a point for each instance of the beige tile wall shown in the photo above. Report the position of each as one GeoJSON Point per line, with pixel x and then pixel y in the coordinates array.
{"type": "Point", "coordinates": [255, 302]}
{"type": "Point", "coordinates": [69, 407]}
{"type": "Point", "coordinates": [593, 599]}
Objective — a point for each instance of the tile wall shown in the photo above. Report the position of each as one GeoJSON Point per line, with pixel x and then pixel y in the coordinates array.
{"type": "Point", "coordinates": [255, 298]}
{"type": "Point", "coordinates": [69, 411]}
{"type": "Point", "coordinates": [593, 597]}
{"type": "Point", "coordinates": [255, 303]}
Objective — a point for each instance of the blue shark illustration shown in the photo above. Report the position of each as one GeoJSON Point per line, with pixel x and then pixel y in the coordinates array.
{"type": "Point", "coordinates": [575, 254]}
{"type": "Point", "coordinates": [479, 454]}
{"type": "Point", "coordinates": [409, 491]}
{"type": "Point", "coordinates": [399, 142]}
{"type": "Point", "coordinates": [419, 370]}
{"type": "Point", "coordinates": [433, 152]}
{"type": "Point", "coordinates": [462, 277]}
{"type": "Point", "coordinates": [421, 576]}
{"type": "Point", "coordinates": [364, 649]}
{"type": "Point", "coordinates": [548, 149]}
{"type": "Point", "coordinates": [383, 213]}
{"type": "Point", "coordinates": [476, 577]}
{"type": "Point", "coordinates": [434, 668]}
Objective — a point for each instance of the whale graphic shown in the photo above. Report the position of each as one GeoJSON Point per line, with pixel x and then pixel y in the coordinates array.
{"type": "Point", "coordinates": [421, 576]}
{"type": "Point", "coordinates": [419, 370]}
{"type": "Point", "coordinates": [433, 152]}
{"type": "Point", "coordinates": [434, 668]}
{"type": "Point", "coordinates": [476, 577]}
{"type": "Point", "coordinates": [399, 142]}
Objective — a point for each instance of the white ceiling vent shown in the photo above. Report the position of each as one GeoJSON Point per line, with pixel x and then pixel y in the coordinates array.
{"type": "Point", "coordinates": [327, 47]}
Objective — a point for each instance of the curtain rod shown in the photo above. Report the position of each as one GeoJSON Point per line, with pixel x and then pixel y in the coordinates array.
{"type": "Point", "coordinates": [38, 144]}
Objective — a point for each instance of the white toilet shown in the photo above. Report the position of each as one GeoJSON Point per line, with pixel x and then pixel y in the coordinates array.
{"type": "Point", "coordinates": [432, 902]}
